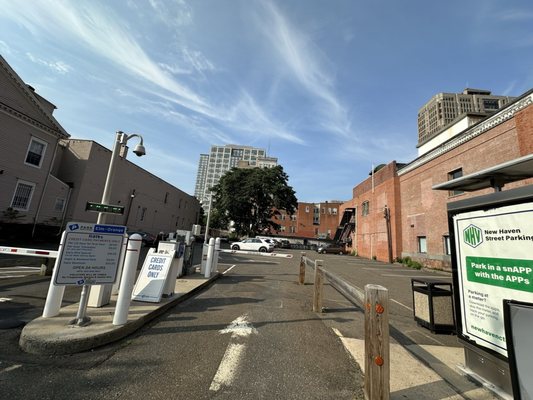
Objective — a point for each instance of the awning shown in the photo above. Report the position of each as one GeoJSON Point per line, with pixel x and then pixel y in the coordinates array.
{"type": "Point", "coordinates": [495, 177]}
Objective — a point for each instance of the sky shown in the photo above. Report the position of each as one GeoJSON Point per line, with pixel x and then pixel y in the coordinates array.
{"type": "Point", "coordinates": [329, 87]}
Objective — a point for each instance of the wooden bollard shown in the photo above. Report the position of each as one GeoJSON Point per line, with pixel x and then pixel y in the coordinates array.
{"type": "Point", "coordinates": [301, 276]}
{"type": "Point", "coordinates": [377, 361]}
{"type": "Point", "coordinates": [318, 293]}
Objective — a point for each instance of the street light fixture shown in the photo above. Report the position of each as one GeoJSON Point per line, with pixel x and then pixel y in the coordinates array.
{"type": "Point", "coordinates": [102, 293]}
{"type": "Point", "coordinates": [120, 140]}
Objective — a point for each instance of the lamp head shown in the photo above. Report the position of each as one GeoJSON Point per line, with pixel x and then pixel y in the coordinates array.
{"type": "Point", "coordinates": [139, 150]}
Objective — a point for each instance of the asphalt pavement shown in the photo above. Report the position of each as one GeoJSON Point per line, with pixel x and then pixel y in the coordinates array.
{"type": "Point", "coordinates": [424, 365]}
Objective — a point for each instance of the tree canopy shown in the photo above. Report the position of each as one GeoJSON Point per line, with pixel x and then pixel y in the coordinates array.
{"type": "Point", "coordinates": [250, 198]}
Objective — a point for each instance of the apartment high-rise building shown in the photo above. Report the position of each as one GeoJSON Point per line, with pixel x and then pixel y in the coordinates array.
{"type": "Point", "coordinates": [221, 159]}
{"type": "Point", "coordinates": [443, 108]}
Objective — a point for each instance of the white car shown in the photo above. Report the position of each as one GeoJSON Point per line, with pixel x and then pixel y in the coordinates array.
{"type": "Point", "coordinates": [253, 244]}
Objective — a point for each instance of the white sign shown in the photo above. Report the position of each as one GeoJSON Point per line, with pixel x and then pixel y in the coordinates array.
{"type": "Point", "coordinates": [90, 254]}
{"type": "Point", "coordinates": [151, 280]}
{"type": "Point", "coordinates": [495, 262]}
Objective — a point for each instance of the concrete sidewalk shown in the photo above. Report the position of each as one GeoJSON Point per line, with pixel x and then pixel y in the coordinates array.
{"type": "Point", "coordinates": [56, 336]}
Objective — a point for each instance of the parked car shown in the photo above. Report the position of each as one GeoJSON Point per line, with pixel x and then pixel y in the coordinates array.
{"type": "Point", "coordinates": [333, 248]}
{"type": "Point", "coordinates": [253, 244]}
{"type": "Point", "coordinates": [285, 244]}
{"type": "Point", "coordinates": [147, 238]}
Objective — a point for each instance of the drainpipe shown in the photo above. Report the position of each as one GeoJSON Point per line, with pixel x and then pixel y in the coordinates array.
{"type": "Point", "coordinates": [44, 190]}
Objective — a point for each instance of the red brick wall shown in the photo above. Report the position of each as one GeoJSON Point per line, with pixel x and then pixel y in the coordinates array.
{"type": "Point", "coordinates": [304, 226]}
{"type": "Point", "coordinates": [424, 210]}
{"type": "Point", "coordinates": [370, 238]}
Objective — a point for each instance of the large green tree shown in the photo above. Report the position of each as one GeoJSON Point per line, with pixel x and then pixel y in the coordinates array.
{"type": "Point", "coordinates": [250, 198]}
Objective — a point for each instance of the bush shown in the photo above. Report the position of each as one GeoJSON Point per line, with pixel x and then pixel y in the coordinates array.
{"type": "Point", "coordinates": [353, 253]}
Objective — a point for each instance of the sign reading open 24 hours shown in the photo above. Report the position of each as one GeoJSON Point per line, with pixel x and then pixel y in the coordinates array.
{"type": "Point", "coordinates": [90, 254]}
{"type": "Point", "coordinates": [495, 262]}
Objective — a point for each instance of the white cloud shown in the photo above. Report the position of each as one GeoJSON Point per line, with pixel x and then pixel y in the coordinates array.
{"type": "Point", "coordinates": [306, 64]}
{"type": "Point", "coordinates": [4, 48]}
{"type": "Point", "coordinates": [172, 13]}
{"type": "Point", "coordinates": [58, 66]}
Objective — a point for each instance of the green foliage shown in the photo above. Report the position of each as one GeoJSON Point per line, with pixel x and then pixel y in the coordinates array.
{"type": "Point", "coordinates": [251, 198]}
{"type": "Point", "coordinates": [354, 253]}
{"type": "Point", "coordinates": [409, 262]}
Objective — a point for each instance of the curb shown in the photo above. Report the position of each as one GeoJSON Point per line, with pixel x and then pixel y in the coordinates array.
{"type": "Point", "coordinates": [53, 336]}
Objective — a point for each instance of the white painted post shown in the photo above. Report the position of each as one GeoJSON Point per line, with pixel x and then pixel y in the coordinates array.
{"type": "Point", "coordinates": [205, 250]}
{"type": "Point", "coordinates": [128, 279]}
{"type": "Point", "coordinates": [215, 255]}
{"type": "Point", "coordinates": [116, 285]}
{"type": "Point", "coordinates": [209, 262]}
{"type": "Point", "coordinates": [55, 293]}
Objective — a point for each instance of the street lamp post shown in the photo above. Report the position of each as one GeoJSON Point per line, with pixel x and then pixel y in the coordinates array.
{"type": "Point", "coordinates": [101, 294]}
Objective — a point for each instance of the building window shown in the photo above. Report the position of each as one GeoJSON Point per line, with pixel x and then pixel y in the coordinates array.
{"type": "Point", "coordinates": [293, 229]}
{"type": "Point", "coordinates": [422, 244]}
{"type": "Point", "coordinates": [446, 244]}
{"type": "Point", "coordinates": [293, 217]}
{"type": "Point", "coordinates": [282, 228]}
{"type": "Point", "coordinates": [454, 175]}
{"type": "Point", "coordinates": [35, 153]}
{"type": "Point", "coordinates": [334, 211]}
{"type": "Point", "coordinates": [306, 209]}
{"type": "Point", "coordinates": [283, 217]}
{"type": "Point", "coordinates": [22, 197]}
{"type": "Point", "coordinates": [60, 204]}
{"type": "Point", "coordinates": [365, 208]}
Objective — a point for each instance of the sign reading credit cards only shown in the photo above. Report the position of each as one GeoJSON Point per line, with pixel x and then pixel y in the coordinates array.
{"type": "Point", "coordinates": [90, 254]}
{"type": "Point", "coordinates": [495, 262]}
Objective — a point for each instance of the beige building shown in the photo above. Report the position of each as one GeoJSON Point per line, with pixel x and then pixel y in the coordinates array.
{"type": "Point", "coordinates": [46, 178]}
{"type": "Point", "coordinates": [443, 108]}
{"type": "Point", "coordinates": [150, 203]}
{"type": "Point", "coordinates": [29, 135]}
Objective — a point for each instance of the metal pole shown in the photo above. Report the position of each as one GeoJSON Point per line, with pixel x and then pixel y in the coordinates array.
{"type": "Point", "coordinates": [81, 319]}
{"type": "Point", "coordinates": [215, 255]}
{"type": "Point", "coordinates": [101, 294]}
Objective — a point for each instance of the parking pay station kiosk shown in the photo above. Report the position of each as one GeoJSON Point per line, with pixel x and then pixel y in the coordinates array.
{"type": "Point", "coordinates": [492, 261]}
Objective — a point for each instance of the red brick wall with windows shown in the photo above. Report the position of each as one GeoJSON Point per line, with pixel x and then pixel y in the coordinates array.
{"type": "Point", "coordinates": [305, 226]}
{"type": "Point", "coordinates": [424, 210]}
{"type": "Point", "coordinates": [370, 238]}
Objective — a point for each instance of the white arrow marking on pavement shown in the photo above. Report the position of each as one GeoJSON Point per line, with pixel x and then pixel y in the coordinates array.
{"type": "Point", "coordinates": [239, 328]}
{"type": "Point", "coordinates": [5, 299]}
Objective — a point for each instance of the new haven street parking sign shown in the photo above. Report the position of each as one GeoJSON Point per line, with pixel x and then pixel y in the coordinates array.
{"type": "Point", "coordinates": [90, 254]}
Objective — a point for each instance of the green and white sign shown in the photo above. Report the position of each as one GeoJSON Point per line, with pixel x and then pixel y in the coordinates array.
{"type": "Point", "coordinates": [495, 262]}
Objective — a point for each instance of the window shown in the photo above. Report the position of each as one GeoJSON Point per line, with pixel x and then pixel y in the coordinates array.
{"type": "Point", "coordinates": [454, 175]}
{"type": "Point", "coordinates": [334, 211]}
{"type": "Point", "coordinates": [22, 197]}
{"type": "Point", "coordinates": [422, 244]}
{"type": "Point", "coordinates": [293, 229]}
{"type": "Point", "coordinates": [446, 244]}
{"type": "Point", "coordinates": [365, 208]}
{"type": "Point", "coordinates": [282, 228]}
{"type": "Point", "coordinates": [283, 217]}
{"type": "Point", "coordinates": [60, 204]}
{"type": "Point", "coordinates": [306, 209]}
{"type": "Point", "coordinates": [35, 153]}
{"type": "Point", "coordinates": [293, 217]}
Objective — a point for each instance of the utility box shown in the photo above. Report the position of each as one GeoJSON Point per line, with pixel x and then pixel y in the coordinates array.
{"type": "Point", "coordinates": [433, 304]}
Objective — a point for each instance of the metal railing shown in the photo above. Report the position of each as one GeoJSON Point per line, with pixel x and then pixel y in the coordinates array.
{"type": "Point", "coordinates": [375, 303]}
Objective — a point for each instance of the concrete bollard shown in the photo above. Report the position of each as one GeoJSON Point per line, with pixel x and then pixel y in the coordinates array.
{"type": "Point", "coordinates": [128, 279]}
{"type": "Point", "coordinates": [210, 252]}
{"type": "Point", "coordinates": [55, 293]}
{"type": "Point", "coordinates": [215, 255]}
{"type": "Point", "coordinates": [114, 289]}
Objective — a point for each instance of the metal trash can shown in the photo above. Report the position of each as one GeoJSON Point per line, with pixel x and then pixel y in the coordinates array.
{"type": "Point", "coordinates": [433, 304]}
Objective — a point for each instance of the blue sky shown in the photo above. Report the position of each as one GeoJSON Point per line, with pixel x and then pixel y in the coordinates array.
{"type": "Point", "coordinates": [328, 87]}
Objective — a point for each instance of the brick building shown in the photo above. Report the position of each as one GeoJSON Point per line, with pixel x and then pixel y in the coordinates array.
{"type": "Point", "coordinates": [376, 202]}
{"type": "Point", "coordinates": [312, 220]}
{"type": "Point", "coordinates": [418, 217]}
